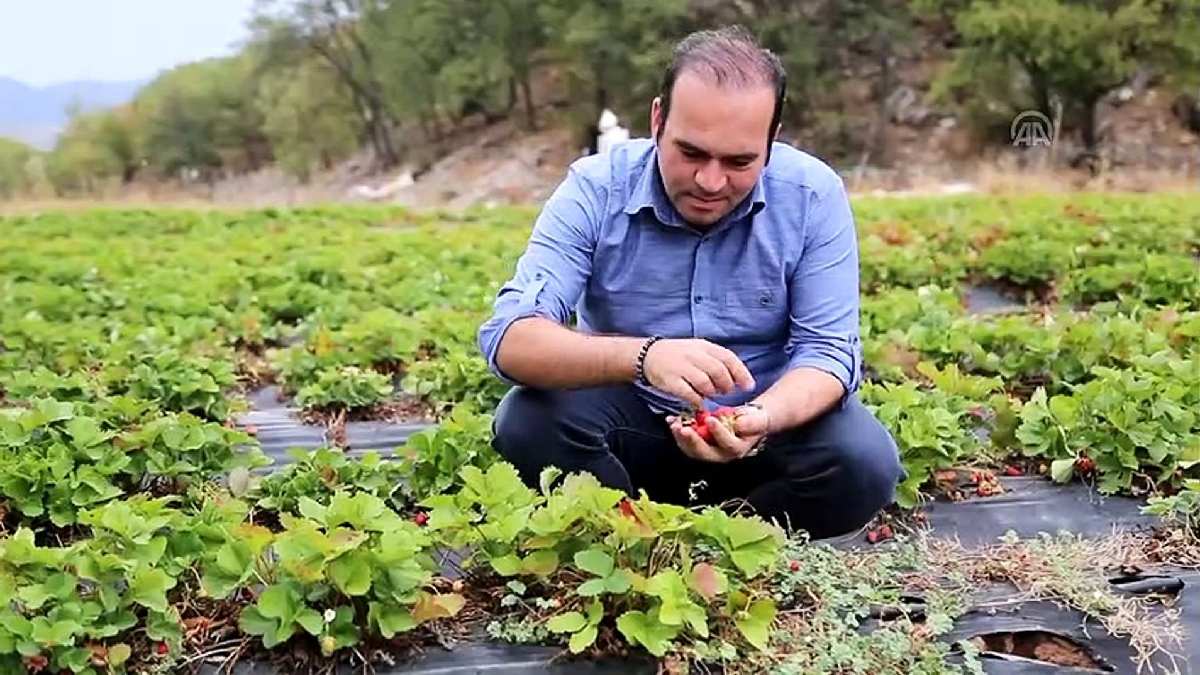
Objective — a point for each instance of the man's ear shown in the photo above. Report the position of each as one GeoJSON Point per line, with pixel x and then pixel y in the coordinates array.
{"type": "Point", "coordinates": [655, 116]}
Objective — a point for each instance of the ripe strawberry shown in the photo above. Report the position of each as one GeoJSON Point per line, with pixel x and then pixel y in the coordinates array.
{"type": "Point", "coordinates": [162, 649]}
{"type": "Point", "coordinates": [873, 536]}
{"type": "Point", "coordinates": [1085, 464]}
{"type": "Point", "coordinates": [1013, 470]}
{"type": "Point", "coordinates": [885, 532]}
{"type": "Point", "coordinates": [420, 518]}
{"type": "Point", "coordinates": [699, 423]}
{"type": "Point", "coordinates": [794, 565]}
{"type": "Point", "coordinates": [36, 663]}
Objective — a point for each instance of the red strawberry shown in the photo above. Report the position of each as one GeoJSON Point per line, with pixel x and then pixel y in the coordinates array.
{"type": "Point", "coordinates": [162, 649]}
{"type": "Point", "coordinates": [36, 663]}
{"type": "Point", "coordinates": [873, 536]}
{"type": "Point", "coordinates": [627, 508]}
{"type": "Point", "coordinates": [794, 565]}
{"type": "Point", "coordinates": [420, 518]}
{"type": "Point", "coordinates": [1013, 470]}
{"type": "Point", "coordinates": [885, 532]}
{"type": "Point", "coordinates": [1085, 464]}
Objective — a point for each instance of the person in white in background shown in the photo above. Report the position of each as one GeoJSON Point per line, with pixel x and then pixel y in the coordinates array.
{"type": "Point", "coordinates": [611, 132]}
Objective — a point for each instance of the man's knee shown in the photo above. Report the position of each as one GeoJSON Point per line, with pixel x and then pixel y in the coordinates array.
{"type": "Point", "coordinates": [869, 464]}
{"type": "Point", "coordinates": [866, 471]}
{"type": "Point", "coordinates": [522, 419]}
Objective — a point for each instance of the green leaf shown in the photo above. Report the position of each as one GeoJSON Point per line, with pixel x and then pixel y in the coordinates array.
{"type": "Point", "coordinates": [595, 561]}
{"type": "Point", "coordinates": [1061, 470]}
{"type": "Point", "coordinates": [55, 634]}
{"type": "Point", "coordinates": [390, 619]}
{"type": "Point", "coordinates": [506, 565]}
{"type": "Point", "coordinates": [647, 631]}
{"type": "Point", "coordinates": [149, 588]}
{"type": "Point", "coordinates": [541, 563]}
{"type": "Point", "coordinates": [118, 654]}
{"type": "Point", "coordinates": [311, 621]}
{"type": "Point", "coordinates": [583, 639]}
{"type": "Point", "coordinates": [312, 509]}
{"type": "Point", "coordinates": [755, 623]}
{"type": "Point", "coordinates": [85, 432]}
{"type": "Point", "coordinates": [592, 587]}
{"type": "Point", "coordinates": [547, 477]}
{"type": "Point", "coordinates": [569, 622]}
{"type": "Point", "coordinates": [1065, 410]}
{"type": "Point", "coordinates": [351, 573]}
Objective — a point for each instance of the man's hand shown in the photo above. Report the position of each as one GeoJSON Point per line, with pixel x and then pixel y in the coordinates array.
{"type": "Point", "coordinates": [694, 369]}
{"type": "Point", "coordinates": [750, 426]}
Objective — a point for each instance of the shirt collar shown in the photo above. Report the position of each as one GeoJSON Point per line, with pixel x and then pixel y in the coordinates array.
{"type": "Point", "coordinates": [648, 193]}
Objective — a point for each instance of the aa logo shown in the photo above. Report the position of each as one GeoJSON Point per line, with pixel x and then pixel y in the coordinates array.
{"type": "Point", "coordinates": [1030, 129]}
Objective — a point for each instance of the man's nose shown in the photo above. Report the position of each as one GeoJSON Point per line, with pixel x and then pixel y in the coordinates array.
{"type": "Point", "coordinates": [710, 177]}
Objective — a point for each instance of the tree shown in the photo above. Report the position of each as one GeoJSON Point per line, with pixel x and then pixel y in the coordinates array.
{"type": "Point", "coordinates": [308, 119]}
{"type": "Point", "coordinates": [1071, 51]}
{"type": "Point", "coordinates": [333, 30]}
{"type": "Point", "coordinates": [14, 162]}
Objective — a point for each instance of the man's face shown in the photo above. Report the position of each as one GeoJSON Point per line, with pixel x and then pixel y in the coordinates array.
{"type": "Point", "coordinates": [713, 146]}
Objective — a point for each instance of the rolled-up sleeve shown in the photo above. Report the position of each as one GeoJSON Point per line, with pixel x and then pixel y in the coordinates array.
{"type": "Point", "coordinates": [824, 327]}
{"type": "Point", "coordinates": [557, 262]}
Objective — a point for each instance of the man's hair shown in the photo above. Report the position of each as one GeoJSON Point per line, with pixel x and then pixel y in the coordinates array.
{"type": "Point", "coordinates": [728, 56]}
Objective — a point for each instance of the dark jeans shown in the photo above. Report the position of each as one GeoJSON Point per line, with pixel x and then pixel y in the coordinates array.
{"type": "Point", "coordinates": [827, 477]}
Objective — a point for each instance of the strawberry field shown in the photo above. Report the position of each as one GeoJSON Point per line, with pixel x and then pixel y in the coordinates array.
{"type": "Point", "coordinates": [149, 523]}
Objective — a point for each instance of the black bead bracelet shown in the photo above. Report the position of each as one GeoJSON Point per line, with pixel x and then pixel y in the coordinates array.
{"type": "Point", "coordinates": [640, 366]}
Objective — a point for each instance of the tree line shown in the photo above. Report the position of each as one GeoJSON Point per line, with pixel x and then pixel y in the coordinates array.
{"type": "Point", "coordinates": [319, 80]}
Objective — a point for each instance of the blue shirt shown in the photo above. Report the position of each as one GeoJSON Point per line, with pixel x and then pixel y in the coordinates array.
{"type": "Point", "coordinates": [775, 280]}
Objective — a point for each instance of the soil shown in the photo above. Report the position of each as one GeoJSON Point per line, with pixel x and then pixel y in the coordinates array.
{"type": "Point", "coordinates": [1041, 646]}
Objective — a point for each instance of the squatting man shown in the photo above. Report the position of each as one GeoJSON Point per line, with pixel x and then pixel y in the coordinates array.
{"type": "Point", "coordinates": [707, 266]}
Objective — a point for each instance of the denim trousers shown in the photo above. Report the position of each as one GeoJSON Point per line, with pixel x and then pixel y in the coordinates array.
{"type": "Point", "coordinates": [827, 477]}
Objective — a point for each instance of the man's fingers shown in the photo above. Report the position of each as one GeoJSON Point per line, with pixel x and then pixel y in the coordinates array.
{"type": "Point", "coordinates": [717, 371]}
{"type": "Point", "coordinates": [693, 446]}
{"type": "Point", "coordinates": [683, 390]}
{"type": "Point", "coordinates": [701, 382]}
{"type": "Point", "coordinates": [741, 375]}
{"type": "Point", "coordinates": [727, 442]}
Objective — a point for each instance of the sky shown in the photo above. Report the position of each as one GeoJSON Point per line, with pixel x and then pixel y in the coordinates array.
{"type": "Point", "coordinates": [49, 41]}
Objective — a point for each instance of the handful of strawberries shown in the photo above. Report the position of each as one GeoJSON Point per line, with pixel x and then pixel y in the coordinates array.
{"type": "Point", "coordinates": [698, 421]}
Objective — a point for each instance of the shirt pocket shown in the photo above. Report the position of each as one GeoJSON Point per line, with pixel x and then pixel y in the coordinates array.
{"type": "Point", "coordinates": [754, 314]}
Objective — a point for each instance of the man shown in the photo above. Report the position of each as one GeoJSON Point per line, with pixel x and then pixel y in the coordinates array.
{"type": "Point", "coordinates": [708, 266]}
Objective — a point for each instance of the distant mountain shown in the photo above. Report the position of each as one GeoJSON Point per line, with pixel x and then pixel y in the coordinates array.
{"type": "Point", "coordinates": [36, 115]}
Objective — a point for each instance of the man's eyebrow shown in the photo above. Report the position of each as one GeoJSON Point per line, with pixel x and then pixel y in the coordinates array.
{"type": "Point", "coordinates": [741, 157]}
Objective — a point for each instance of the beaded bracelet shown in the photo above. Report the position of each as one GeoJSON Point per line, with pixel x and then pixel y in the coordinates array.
{"type": "Point", "coordinates": [640, 367]}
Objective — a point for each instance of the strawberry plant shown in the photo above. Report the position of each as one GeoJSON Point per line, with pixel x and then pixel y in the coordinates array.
{"type": "Point", "coordinates": [319, 474]}
{"type": "Point", "coordinates": [433, 459]}
{"type": "Point", "coordinates": [75, 608]}
{"type": "Point", "coordinates": [936, 427]}
{"type": "Point", "coordinates": [347, 387]}
{"type": "Point", "coordinates": [177, 382]}
{"type": "Point", "coordinates": [1027, 261]}
{"type": "Point", "coordinates": [1136, 427]}
{"type": "Point", "coordinates": [457, 377]}
{"type": "Point", "coordinates": [54, 461]}
{"type": "Point", "coordinates": [598, 549]}
{"type": "Point", "coordinates": [338, 567]}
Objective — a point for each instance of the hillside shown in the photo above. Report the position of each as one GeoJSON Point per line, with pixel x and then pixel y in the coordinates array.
{"type": "Point", "coordinates": [36, 115]}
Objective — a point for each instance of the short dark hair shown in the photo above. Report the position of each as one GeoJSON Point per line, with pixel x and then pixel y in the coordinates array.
{"type": "Point", "coordinates": [729, 55]}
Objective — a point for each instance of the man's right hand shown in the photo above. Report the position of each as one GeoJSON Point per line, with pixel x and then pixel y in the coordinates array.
{"type": "Point", "coordinates": [694, 369]}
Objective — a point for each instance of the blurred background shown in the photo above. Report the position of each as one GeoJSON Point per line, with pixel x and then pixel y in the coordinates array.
{"type": "Point", "coordinates": [461, 102]}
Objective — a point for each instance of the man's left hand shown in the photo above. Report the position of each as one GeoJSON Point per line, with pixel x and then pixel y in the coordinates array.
{"type": "Point", "coordinates": [751, 424]}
